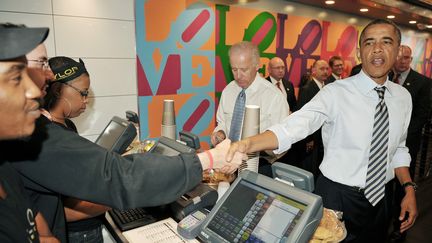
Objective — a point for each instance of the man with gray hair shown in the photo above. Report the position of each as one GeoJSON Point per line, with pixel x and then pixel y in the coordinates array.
{"type": "Point", "coordinates": [248, 88]}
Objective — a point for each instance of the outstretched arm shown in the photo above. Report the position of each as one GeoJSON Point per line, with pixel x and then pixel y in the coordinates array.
{"type": "Point", "coordinates": [263, 141]}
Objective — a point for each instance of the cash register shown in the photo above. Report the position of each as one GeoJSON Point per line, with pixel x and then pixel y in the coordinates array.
{"type": "Point", "coordinates": [257, 208]}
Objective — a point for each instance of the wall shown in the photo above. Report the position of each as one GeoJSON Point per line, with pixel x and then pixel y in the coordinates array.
{"type": "Point", "coordinates": [102, 33]}
{"type": "Point", "coordinates": [182, 54]}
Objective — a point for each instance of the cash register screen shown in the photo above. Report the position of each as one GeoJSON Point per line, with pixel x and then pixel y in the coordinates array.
{"type": "Point", "coordinates": [117, 135]}
{"type": "Point", "coordinates": [254, 214]}
{"type": "Point", "coordinates": [170, 147]}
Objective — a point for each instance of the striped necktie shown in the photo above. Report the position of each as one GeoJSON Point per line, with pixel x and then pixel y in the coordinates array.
{"type": "Point", "coordinates": [237, 119]}
{"type": "Point", "coordinates": [376, 172]}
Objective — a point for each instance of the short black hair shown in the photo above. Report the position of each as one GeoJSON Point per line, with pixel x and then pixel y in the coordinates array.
{"type": "Point", "coordinates": [382, 21]}
{"type": "Point", "coordinates": [333, 59]}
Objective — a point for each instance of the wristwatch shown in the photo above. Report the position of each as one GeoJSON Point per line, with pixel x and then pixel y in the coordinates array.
{"type": "Point", "coordinates": [410, 183]}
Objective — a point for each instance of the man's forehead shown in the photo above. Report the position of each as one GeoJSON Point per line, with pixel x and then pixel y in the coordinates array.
{"type": "Point", "coordinates": [11, 66]}
{"type": "Point", "coordinates": [380, 31]}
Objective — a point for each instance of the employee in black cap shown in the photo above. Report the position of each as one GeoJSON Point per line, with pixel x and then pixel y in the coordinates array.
{"type": "Point", "coordinates": [67, 97]}
{"type": "Point", "coordinates": [19, 219]}
{"type": "Point", "coordinates": [46, 158]}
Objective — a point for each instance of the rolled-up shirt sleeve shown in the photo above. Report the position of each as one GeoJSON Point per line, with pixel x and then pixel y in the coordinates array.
{"type": "Point", "coordinates": [401, 157]}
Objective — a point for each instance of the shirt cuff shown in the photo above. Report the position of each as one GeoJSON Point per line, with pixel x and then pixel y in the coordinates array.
{"type": "Point", "coordinates": [401, 158]}
{"type": "Point", "coordinates": [283, 141]}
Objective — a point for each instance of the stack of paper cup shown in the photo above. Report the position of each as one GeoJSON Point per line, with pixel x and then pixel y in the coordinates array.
{"type": "Point", "coordinates": [223, 186]}
{"type": "Point", "coordinates": [168, 120]}
{"type": "Point", "coordinates": [251, 126]}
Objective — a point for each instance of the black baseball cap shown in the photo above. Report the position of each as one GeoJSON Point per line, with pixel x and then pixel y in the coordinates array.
{"type": "Point", "coordinates": [16, 41]}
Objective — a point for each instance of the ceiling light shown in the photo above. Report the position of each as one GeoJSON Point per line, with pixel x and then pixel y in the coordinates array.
{"type": "Point", "coordinates": [352, 21]}
{"type": "Point", "coordinates": [412, 22]}
{"type": "Point", "coordinates": [364, 10]}
{"type": "Point", "coordinates": [391, 16]}
{"type": "Point", "coordinates": [322, 15]}
{"type": "Point", "coordinates": [429, 26]}
{"type": "Point", "coordinates": [329, 2]}
{"type": "Point", "coordinates": [289, 8]}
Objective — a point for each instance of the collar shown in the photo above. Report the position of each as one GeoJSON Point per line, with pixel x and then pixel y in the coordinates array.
{"type": "Point", "coordinates": [274, 81]}
{"type": "Point", "coordinates": [336, 77]}
{"type": "Point", "coordinates": [366, 85]}
{"type": "Point", "coordinates": [320, 85]}
{"type": "Point", "coordinates": [404, 75]}
{"type": "Point", "coordinates": [252, 87]}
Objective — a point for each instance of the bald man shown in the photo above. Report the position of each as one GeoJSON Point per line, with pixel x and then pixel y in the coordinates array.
{"type": "Point", "coordinates": [276, 69]}
{"type": "Point", "coordinates": [419, 86]}
{"type": "Point", "coordinates": [311, 148]}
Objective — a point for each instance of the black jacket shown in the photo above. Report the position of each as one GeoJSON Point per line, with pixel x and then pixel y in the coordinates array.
{"type": "Point", "coordinates": [55, 162]}
{"type": "Point", "coordinates": [419, 86]}
{"type": "Point", "coordinates": [289, 88]}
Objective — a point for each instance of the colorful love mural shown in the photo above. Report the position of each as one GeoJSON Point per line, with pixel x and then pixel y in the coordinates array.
{"type": "Point", "coordinates": [182, 54]}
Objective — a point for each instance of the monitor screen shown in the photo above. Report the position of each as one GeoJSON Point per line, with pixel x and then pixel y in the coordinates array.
{"type": "Point", "coordinates": [117, 135]}
{"type": "Point", "coordinates": [265, 215]}
{"type": "Point", "coordinates": [257, 208]}
{"type": "Point", "coordinates": [170, 147]}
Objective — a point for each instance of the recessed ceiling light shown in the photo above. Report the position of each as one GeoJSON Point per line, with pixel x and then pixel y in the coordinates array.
{"type": "Point", "coordinates": [352, 21]}
{"type": "Point", "coordinates": [412, 22]}
{"type": "Point", "coordinates": [391, 16]}
{"type": "Point", "coordinates": [329, 2]}
{"type": "Point", "coordinates": [289, 8]}
{"type": "Point", "coordinates": [364, 10]}
{"type": "Point", "coordinates": [429, 26]}
{"type": "Point", "coordinates": [322, 15]}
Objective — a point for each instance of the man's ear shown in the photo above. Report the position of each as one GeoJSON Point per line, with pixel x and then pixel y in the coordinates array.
{"type": "Point", "coordinates": [358, 54]}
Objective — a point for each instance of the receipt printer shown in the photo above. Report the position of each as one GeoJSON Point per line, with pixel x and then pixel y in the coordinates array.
{"type": "Point", "coordinates": [200, 197]}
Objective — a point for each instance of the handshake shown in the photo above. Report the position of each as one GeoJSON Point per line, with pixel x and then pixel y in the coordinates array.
{"type": "Point", "coordinates": [217, 158]}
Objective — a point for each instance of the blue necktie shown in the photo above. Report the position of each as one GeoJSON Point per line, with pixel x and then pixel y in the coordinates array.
{"type": "Point", "coordinates": [237, 119]}
{"type": "Point", "coordinates": [376, 173]}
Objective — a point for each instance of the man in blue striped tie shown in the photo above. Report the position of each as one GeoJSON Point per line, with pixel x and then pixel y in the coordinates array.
{"type": "Point", "coordinates": [364, 123]}
{"type": "Point", "coordinates": [248, 88]}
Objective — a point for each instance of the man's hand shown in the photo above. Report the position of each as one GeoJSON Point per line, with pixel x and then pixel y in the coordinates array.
{"type": "Point", "coordinates": [408, 205]}
{"type": "Point", "coordinates": [217, 137]}
{"type": "Point", "coordinates": [241, 146]}
{"type": "Point", "coordinates": [219, 157]}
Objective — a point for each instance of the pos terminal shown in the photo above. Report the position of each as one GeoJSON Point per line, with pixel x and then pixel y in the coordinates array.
{"type": "Point", "coordinates": [257, 208]}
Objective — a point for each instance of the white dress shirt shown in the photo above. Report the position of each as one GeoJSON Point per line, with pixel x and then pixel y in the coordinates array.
{"type": "Point", "coordinates": [335, 76]}
{"type": "Point", "coordinates": [273, 106]}
{"type": "Point", "coordinates": [403, 76]}
{"type": "Point", "coordinates": [282, 86]}
{"type": "Point", "coordinates": [318, 83]}
{"type": "Point", "coordinates": [346, 112]}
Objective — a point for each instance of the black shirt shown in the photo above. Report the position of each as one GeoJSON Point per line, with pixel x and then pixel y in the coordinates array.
{"type": "Point", "coordinates": [17, 222]}
{"type": "Point", "coordinates": [55, 162]}
{"type": "Point", "coordinates": [83, 224]}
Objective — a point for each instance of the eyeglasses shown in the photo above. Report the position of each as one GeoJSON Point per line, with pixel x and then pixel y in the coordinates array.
{"type": "Point", "coordinates": [83, 93]}
{"type": "Point", "coordinates": [41, 63]}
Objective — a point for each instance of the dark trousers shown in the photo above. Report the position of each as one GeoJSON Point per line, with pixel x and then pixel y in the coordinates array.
{"type": "Point", "coordinates": [364, 222]}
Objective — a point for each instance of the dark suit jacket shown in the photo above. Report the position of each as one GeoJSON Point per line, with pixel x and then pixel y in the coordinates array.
{"type": "Point", "coordinates": [289, 88]}
{"type": "Point", "coordinates": [306, 93]}
{"type": "Point", "coordinates": [419, 86]}
{"type": "Point", "coordinates": [312, 159]}
{"type": "Point", "coordinates": [330, 79]}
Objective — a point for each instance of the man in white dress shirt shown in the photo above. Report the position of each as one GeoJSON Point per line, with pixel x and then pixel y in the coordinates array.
{"type": "Point", "coordinates": [244, 61]}
{"type": "Point", "coordinates": [346, 111]}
